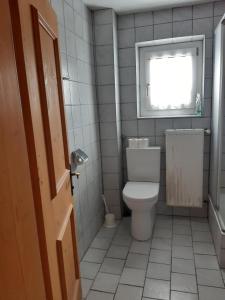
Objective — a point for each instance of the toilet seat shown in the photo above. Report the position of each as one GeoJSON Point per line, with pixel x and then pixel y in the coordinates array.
{"type": "Point", "coordinates": [141, 191]}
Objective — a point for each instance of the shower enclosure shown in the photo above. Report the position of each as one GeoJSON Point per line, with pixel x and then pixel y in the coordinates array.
{"type": "Point", "coordinates": [217, 164]}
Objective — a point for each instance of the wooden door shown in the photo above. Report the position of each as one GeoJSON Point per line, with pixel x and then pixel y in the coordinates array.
{"type": "Point", "coordinates": [20, 261]}
{"type": "Point", "coordinates": [36, 40]}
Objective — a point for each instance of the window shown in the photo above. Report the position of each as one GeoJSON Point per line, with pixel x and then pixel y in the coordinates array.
{"type": "Point", "coordinates": [170, 76]}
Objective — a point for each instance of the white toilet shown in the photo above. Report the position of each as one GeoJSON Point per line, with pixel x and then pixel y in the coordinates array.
{"type": "Point", "coordinates": [141, 191]}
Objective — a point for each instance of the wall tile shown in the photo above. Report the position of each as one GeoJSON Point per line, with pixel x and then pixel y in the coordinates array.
{"type": "Point", "coordinates": [105, 75]}
{"type": "Point", "coordinates": [203, 11]}
{"type": "Point", "coordinates": [103, 17]}
{"type": "Point", "coordinates": [104, 55]}
{"type": "Point", "coordinates": [143, 19]}
{"type": "Point", "coordinates": [107, 113]}
{"type": "Point", "coordinates": [69, 18]}
{"type": "Point", "coordinates": [129, 128]}
{"type": "Point", "coordinates": [127, 75]}
{"type": "Point", "coordinates": [144, 34]}
{"type": "Point", "coordinates": [103, 34]}
{"type": "Point", "coordinates": [182, 28]}
{"type": "Point", "coordinates": [128, 93]}
{"type": "Point", "coordinates": [162, 31]}
{"type": "Point", "coordinates": [125, 21]}
{"type": "Point", "coordinates": [162, 125]}
{"type": "Point", "coordinates": [162, 16]}
{"type": "Point", "coordinates": [219, 8]}
{"type": "Point", "coordinates": [106, 94]}
{"type": "Point", "coordinates": [127, 57]}
{"type": "Point", "coordinates": [146, 127]}
{"type": "Point", "coordinates": [128, 111]}
{"type": "Point", "coordinates": [126, 38]}
{"type": "Point", "coordinates": [203, 26]}
{"type": "Point", "coordinates": [182, 13]}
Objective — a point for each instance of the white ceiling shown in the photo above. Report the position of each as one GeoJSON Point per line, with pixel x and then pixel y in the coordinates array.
{"type": "Point", "coordinates": [125, 6]}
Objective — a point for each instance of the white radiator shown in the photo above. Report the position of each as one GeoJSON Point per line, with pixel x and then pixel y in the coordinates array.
{"type": "Point", "coordinates": [184, 167]}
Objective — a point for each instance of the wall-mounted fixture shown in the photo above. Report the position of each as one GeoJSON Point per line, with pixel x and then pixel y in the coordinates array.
{"type": "Point", "coordinates": [79, 157]}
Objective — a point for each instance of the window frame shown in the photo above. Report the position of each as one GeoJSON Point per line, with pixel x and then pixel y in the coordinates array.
{"type": "Point", "coordinates": [148, 47]}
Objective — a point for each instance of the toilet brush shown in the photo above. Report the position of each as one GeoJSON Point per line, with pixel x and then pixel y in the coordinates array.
{"type": "Point", "coordinates": [109, 217]}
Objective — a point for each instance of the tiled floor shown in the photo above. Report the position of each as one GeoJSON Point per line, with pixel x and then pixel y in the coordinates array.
{"type": "Point", "coordinates": [178, 263]}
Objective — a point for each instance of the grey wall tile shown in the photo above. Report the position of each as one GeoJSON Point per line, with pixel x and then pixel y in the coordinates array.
{"type": "Point", "coordinates": [125, 21]}
{"type": "Point", "coordinates": [127, 57]}
{"type": "Point", "coordinates": [143, 19]}
{"type": "Point", "coordinates": [144, 34]}
{"type": "Point", "coordinates": [203, 11]}
{"type": "Point", "coordinates": [126, 38]}
{"type": "Point", "coordinates": [103, 34]}
{"type": "Point", "coordinates": [182, 28]}
{"type": "Point", "coordinates": [106, 94]}
{"type": "Point", "coordinates": [104, 55]}
{"type": "Point", "coordinates": [105, 75]}
{"type": "Point", "coordinates": [103, 17]}
{"type": "Point", "coordinates": [163, 16]}
{"type": "Point", "coordinates": [146, 127]}
{"type": "Point", "coordinates": [219, 8]}
{"type": "Point", "coordinates": [203, 26]}
{"type": "Point", "coordinates": [162, 31]}
{"type": "Point", "coordinates": [182, 13]}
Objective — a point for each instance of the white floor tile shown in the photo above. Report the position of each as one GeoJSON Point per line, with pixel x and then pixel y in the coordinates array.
{"type": "Point", "coordinates": [106, 283]}
{"type": "Point", "coordinates": [160, 256]}
{"type": "Point", "coordinates": [182, 252]}
{"type": "Point", "coordinates": [94, 255]}
{"type": "Point", "coordinates": [126, 292]}
{"type": "Point", "coordinates": [181, 221]}
{"type": "Point", "coordinates": [199, 226]}
{"type": "Point", "coordinates": [209, 278]}
{"type": "Point", "coordinates": [106, 233]}
{"type": "Point", "coordinates": [158, 271]}
{"type": "Point", "coordinates": [140, 247]}
{"type": "Point", "coordinates": [137, 261]}
{"type": "Point", "coordinates": [210, 293]}
{"type": "Point", "coordinates": [85, 285]}
{"type": "Point", "coordinates": [204, 248]}
{"type": "Point", "coordinates": [182, 229]}
{"type": "Point", "coordinates": [182, 240]}
{"type": "Point", "coordinates": [206, 262]}
{"type": "Point", "coordinates": [162, 233]}
{"type": "Point", "coordinates": [112, 266]}
{"type": "Point", "coordinates": [159, 289]}
{"type": "Point", "coordinates": [101, 243]}
{"type": "Point", "coordinates": [134, 270]}
{"type": "Point", "coordinates": [185, 266]}
{"type": "Point", "coordinates": [133, 277]}
{"type": "Point", "coordinates": [161, 244]}
{"type": "Point", "coordinates": [94, 295]}
{"type": "Point", "coordinates": [117, 252]}
{"type": "Point", "coordinates": [201, 236]}
{"type": "Point", "coordinates": [89, 270]}
{"type": "Point", "coordinates": [183, 296]}
{"type": "Point", "coordinates": [122, 240]}
{"type": "Point", "coordinates": [183, 283]}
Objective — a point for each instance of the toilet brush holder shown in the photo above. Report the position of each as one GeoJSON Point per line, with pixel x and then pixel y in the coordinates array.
{"type": "Point", "coordinates": [110, 221]}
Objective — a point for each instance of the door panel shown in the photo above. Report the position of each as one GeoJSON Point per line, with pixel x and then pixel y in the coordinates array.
{"type": "Point", "coordinates": [41, 56]}
{"type": "Point", "coordinates": [66, 247]}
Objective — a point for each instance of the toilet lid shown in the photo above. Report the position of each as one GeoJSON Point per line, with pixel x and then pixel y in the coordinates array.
{"type": "Point", "coordinates": [141, 190]}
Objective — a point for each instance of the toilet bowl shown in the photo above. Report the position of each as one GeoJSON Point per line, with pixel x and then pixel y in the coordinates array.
{"type": "Point", "coordinates": [141, 191]}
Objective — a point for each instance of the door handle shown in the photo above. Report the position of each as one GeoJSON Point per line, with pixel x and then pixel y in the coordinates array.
{"type": "Point", "coordinates": [77, 174]}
